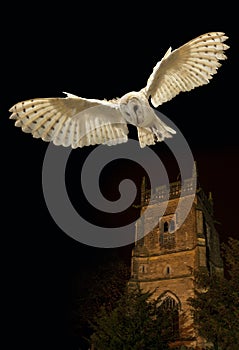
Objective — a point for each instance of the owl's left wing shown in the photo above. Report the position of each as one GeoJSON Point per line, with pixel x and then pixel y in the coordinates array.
{"type": "Point", "coordinates": [72, 121]}
{"type": "Point", "coordinates": [187, 67]}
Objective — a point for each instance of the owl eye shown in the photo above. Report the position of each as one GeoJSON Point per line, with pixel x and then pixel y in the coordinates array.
{"type": "Point", "coordinates": [125, 110]}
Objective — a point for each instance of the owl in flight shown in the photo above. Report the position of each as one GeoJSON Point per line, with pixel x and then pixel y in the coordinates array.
{"type": "Point", "coordinates": [76, 121]}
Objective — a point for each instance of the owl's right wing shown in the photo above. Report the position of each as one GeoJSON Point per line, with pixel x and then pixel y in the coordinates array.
{"type": "Point", "coordinates": [72, 121]}
{"type": "Point", "coordinates": [191, 65]}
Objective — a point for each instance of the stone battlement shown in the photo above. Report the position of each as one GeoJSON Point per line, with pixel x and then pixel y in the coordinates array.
{"type": "Point", "coordinates": [175, 190]}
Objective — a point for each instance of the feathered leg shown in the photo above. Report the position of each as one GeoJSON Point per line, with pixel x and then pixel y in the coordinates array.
{"type": "Point", "coordinates": [146, 137]}
{"type": "Point", "coordinates": [158, 131]}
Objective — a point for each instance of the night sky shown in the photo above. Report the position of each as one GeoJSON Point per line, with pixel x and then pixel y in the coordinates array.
{"type": "Point", "coordinates": [50, 51]}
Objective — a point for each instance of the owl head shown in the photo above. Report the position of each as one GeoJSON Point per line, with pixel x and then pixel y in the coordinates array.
{"type": "Point", "coordinates": [134, 107]}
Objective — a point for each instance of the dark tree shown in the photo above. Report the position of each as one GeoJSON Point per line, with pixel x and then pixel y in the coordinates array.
{"type": "Point", "coordinates": [137, 322]}
{"type": "Point", "coordinates": [101, 286]}
{"type": "Point", "coordinates": [216, 305]}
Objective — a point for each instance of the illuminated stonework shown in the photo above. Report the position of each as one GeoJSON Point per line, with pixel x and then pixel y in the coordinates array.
{"type": "Point", "coordinates": [165, 259]}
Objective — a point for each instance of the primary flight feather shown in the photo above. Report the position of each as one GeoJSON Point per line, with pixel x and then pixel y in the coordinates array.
{"type": "Point", "coordinates": [75, 121]}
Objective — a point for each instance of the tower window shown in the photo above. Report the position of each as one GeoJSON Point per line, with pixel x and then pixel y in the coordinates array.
{"type": "Point", "coordinates": [142, 269]}
{"type": "Point", "coordinates": [167, 235]}
{"type": "Point", "coordinates": [165, 227]}
{"type": "Point", "coordinates": [167, 240]}
{"type": "Point", "coordinates": [170, 307]}
{"type": "Point", "coordinates": [167, 271]}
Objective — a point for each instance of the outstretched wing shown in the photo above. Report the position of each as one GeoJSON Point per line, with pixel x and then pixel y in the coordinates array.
{"type": "Point", "coordinates": [187, 67]}
{"type": "Point", "coordinates": [71, 121]}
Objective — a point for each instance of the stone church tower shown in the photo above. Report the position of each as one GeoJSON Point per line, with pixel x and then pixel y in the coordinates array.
{"type": "Point", "coordinates": [165, 259]}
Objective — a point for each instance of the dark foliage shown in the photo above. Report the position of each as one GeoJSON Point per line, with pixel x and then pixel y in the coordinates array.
{"type": "Point", "coordinates": [137, 322]}
{"type": "Point", "coordinates": [102, 286]}
{"type": "Point", "coordinates": [216, 305]}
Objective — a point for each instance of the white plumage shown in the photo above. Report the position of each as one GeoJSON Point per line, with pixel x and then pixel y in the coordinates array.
{"type": "Point", "coordinates": [75, 121]}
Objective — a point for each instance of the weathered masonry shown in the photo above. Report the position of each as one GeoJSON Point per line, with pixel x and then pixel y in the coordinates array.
{"type": "Point", "coordinates": [165, 259]}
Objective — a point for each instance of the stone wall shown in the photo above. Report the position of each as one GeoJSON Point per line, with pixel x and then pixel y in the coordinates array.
{"type": "Point", "coordinates": [165, 260]}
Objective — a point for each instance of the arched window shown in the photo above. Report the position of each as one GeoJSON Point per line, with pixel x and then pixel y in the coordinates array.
{"type": "Point", "coordinates": [170, 308]}
{"type": "Point", "coordinates": [169, 303]}
{"type": "Point", "coordinates": [165, 227]}
{"type": "Point", "coordinates": [167, 235]}
{"type": "Point", "coordinates": [142, 269]}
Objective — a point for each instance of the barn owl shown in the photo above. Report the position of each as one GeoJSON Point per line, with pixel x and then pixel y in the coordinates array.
{"type": "Point", "coordinates": [75, 121]}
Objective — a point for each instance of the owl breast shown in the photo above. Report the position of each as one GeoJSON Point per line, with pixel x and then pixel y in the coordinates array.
{"type": "Point", "coordinates": [135, 109]}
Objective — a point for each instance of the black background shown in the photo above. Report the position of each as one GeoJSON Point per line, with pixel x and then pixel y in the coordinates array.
{"type": "Point", "coordinates": [98, 51]}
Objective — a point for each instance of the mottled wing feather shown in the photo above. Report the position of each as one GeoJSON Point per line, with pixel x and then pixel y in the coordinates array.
{"type": "Point", "coordinates": [71, 121]}
{"type": "Point", "coordinates": [187, 67]}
